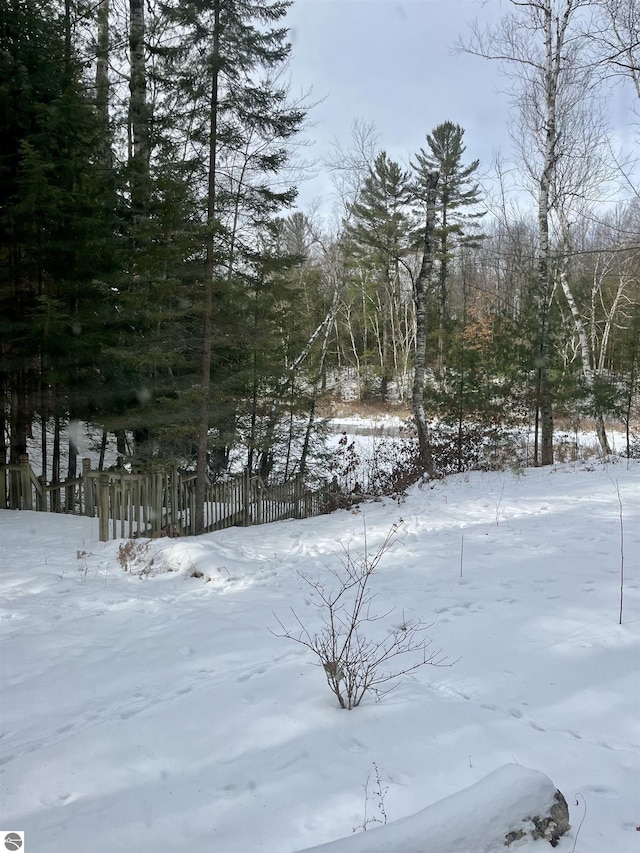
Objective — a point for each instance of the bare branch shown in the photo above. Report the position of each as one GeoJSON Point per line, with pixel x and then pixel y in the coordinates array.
{"type": "Point", "coordinates": [353, 663]}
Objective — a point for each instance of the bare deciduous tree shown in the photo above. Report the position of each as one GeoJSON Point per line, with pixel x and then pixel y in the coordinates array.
{"type": "Point", "coordinates": [615, 34]}
{"type": "Point", "coordinates": [539, 47]}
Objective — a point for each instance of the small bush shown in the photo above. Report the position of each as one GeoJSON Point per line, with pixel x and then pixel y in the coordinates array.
{"type": "Point", "coordinates": [392, 465]}
{"type": "Point", "coordinates": [353, 663]}
{"type": "Point", "coordinates": [133, 557]}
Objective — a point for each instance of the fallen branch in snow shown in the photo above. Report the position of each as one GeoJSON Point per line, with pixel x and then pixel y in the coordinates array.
{"type": "Point", "coordinates": [507, 805]}
{"type": "Point", "coordinates": [353, 663]}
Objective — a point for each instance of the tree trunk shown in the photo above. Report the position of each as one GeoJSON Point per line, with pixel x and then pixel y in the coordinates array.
{"type": "Point", "coordinates": [442, 299]}
{"type": "Point", "coordinates": [209, 272]}
{"type": "Point", "coordinates": [55, 464]}
{"type": "Point", "coordinates": [102, 82]}
{"type": "Point", "coordinates": [44, 449]}
{"type": "Point", "coordinates": [421, 291]}
{"type": "Point", "coordinates": [20, 419]}
{"type": "Point", "coordinates": [553, 59]}
{"type": "Point", "coordinates": [3, 436]}
{"type": "Point", "coordinates": [138, 114]}
{"type": "Point", "coordinates": [585, 354]}
{"type": "Point", "coordinates": [72, 468]}
{"type": "Point", "coordinates": [103, 449]}
{"type": "Point", "coordinates": [121, 447]}
{"type": "Point", "coordinates": [320, 379]}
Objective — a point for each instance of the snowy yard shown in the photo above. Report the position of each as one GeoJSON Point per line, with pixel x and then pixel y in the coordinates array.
{"type": "Point", "coordinates": [157, 712]}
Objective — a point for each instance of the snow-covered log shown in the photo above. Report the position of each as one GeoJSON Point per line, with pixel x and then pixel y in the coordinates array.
{"type": "Point", "coordinates": [508, 804]}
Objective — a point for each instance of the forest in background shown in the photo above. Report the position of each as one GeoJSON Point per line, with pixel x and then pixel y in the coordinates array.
{"type": "Point", "coordinates": [158, 280]}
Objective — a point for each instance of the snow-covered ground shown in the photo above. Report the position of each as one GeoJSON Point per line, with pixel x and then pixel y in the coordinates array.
{"type": "Point", "coordinates": [153, 711]}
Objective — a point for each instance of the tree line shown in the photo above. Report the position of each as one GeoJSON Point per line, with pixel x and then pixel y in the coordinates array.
{"type": "Point", "coordinates": [157, 279]}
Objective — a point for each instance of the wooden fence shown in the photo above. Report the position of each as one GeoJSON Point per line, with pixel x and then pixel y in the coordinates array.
{"type": "Point", "coordinates": [129, 505]}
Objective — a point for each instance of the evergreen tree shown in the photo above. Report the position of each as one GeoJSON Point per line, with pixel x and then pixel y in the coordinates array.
{"type": "Point", "coordinates": [457, 194]}
{"type": "Point", "coordinates": [236, 124]}
{"type": "Point", "coordinates": [378, 235]}
{"type": "Point", "coordinates": [55, 228]}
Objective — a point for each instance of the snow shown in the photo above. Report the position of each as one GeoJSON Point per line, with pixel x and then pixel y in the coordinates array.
{"type": "Point", "coordinates": [476, 816]}
{"type": "Point", "coordinates": [149, 709]}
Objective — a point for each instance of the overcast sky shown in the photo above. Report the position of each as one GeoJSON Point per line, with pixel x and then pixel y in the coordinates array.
{"type": "Point", "coordinates": [393, 62]}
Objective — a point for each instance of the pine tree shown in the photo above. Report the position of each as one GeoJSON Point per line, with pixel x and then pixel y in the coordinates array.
{"type": "Point", "coordinates": [457, 195]}
{"type": "Point", "coordinates": [236, 124]}
{"type": "Point", "coordinates": [378, 237]}
{"type": "Point", "coordinates": [55, 234]}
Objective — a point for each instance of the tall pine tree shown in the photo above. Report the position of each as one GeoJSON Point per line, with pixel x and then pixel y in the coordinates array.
{"type": "Point", "coordinates": [457, 196]}
{"type": "Point", "coordinates": [236, 125]}
{"type": "Point", "coordinates": [55, 230]}
{"type": "Point", "coordinates": [378, 234]}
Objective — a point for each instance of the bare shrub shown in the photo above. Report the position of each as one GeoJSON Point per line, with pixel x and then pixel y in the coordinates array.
{"type": "Point", "coordinates": [379, 793]}
{"type": "Point", "coordinates": [353, 663]}
{"type": "Point", "coordinates": [392, 465]}
{"type": "Point", "coordinates": [388, 469]}
{"type": "Point", "coordinates": [133, 557]}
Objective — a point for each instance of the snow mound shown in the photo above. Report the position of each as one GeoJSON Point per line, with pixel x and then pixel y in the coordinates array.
{"type": "Point", "coordinates": [478, 818]}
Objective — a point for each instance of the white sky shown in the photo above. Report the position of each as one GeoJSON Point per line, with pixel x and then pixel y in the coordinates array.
{"type": "Point", "coordinates": [393, 62]}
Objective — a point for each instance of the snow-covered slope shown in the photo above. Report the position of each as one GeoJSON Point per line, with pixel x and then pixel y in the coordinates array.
{"type": "Point", "coordinates": [151, 711]}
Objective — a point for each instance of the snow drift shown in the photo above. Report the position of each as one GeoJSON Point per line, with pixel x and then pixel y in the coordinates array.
{"type": "Point", "coordinates": [508, 801]}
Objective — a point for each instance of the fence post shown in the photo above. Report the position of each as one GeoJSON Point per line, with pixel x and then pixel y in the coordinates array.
{"type": "Point", "coordinates": [246, 482]}
{"type": "Point", "coordinates": [259, 492]}
{"type": "Point", "coordinates": [298, 497]}
{"type": "Point", "coordinates": [157, 504]}
{"type": "Point", "coordinates": [25, 481]}
{"type": "Point", "coordinates": [5, 475]}
{"type": "Point", "coordinates": [103, 506]}
{"type": "Point", "coordinates": [87, 489]}
{"type": "Point", "coordinates": [174, 515]}
{"type": "Point", "coordinates": [42, 494]}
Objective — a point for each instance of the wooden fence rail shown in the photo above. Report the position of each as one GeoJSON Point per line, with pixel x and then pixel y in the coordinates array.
{"type": "Point", "coordinates": [163, 503]}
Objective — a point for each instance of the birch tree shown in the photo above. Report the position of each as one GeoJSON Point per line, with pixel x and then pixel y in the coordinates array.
{"type": "Point", "coordinates": [425, 190]}
{"type": "Point", "coordinates": [615, 35]}
{"type": "Point", "coordinates": [601, 285]}
{"type": "Point", "coordinates": [581, 180]}
{"type": "Point", "coordinates": [539, 49]}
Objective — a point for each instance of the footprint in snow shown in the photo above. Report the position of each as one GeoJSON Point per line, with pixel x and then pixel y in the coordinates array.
{"type": "Point", "coordinates": [290, 760]}
{"type": "Point", "coordinates": [55, 799]}
{"type": "Point", "coordinates": [397, 778]}
{"type": "Point", "coordinates": [260, 670]}
{"type": "Point", "coordinates": [354, 746]}
{"type": "Point", "coordinates": [231, 791]}
{"type": "Point", "coordinates": [601, 791]}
